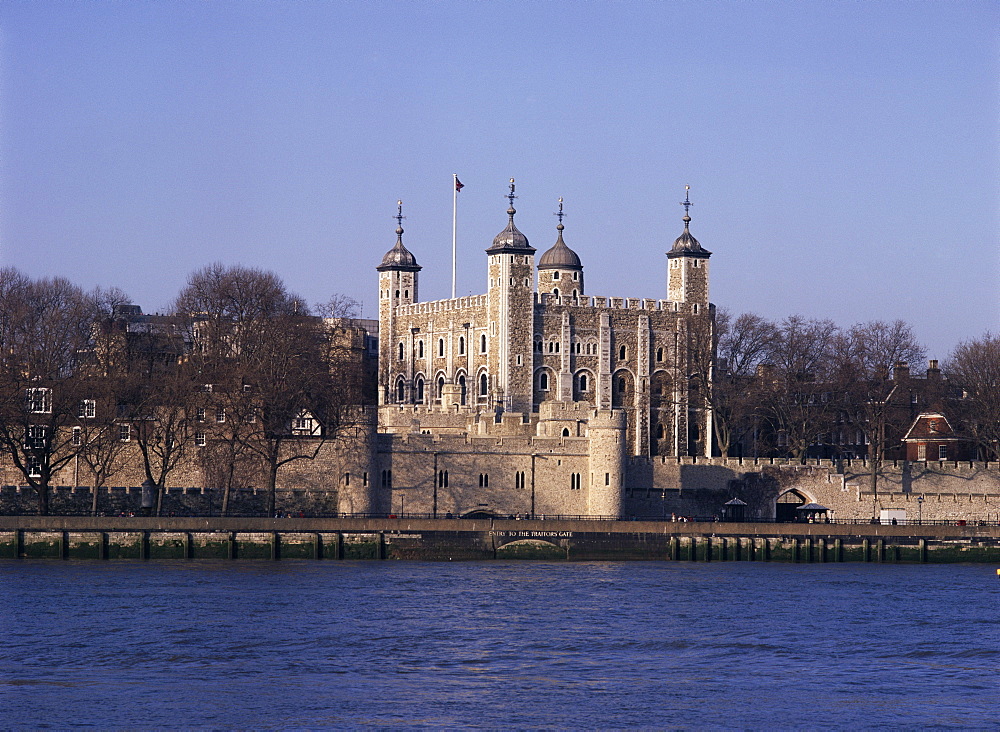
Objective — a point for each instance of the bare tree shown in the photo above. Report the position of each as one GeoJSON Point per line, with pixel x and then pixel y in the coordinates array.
{"type": "Point", "coordinates": [339, 306]}
{"type": "Point", "coordinates": [46, 331]}
{"type": "Point", "coordinates": [974, 368]}
{"type": "Point", "coordinates": [796, 398]}
{"type": "Point", "coordinates": [867, 355]}
{"type": "Point", "coordinates": [744, 344]}
{"type": "Point", "coordinates": [272, 363]}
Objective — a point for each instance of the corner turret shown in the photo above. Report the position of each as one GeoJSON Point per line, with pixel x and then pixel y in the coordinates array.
{"type": "Point", "coordinates": [397, 282]}
{"type": "Point", "coordinates": [560, 271]}
{"type": "Point", "coordinates": [687, 265]}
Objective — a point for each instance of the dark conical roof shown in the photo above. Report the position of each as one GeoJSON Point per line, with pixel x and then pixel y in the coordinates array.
{"type": "Point", "coordinates": [510, 239]}
{"type": "Point", "coordinates": [560, 256]}
{"type": "Point", "coordinates": [685, 244]}
{"type": "Point", "coordinates": [399, 257]}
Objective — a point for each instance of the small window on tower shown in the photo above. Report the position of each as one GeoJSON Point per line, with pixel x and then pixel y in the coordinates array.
{"type": "Point", "coordinates": [576, 276]}
{"type": "Point", "coordinates": [555, 275]}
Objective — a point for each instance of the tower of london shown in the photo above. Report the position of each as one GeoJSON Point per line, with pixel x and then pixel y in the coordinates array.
{"type": "Point", "coordinates": [537, 397]}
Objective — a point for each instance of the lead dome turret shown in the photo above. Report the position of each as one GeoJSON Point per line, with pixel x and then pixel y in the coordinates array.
{"type": "Point", "coordinates": [399, 257]}
{"type": "Point", "coordinates": [510, 240]}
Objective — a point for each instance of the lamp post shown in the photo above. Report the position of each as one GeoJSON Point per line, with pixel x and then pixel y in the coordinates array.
{"type": "Point", "coordinates": [920, 509]}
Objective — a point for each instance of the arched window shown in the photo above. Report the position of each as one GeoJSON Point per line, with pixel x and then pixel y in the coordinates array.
{"type": "Point", "coordinates": [621, 384]}
{"type": "Point", "coordinates": [418, 386]}
{"type": "Point", "coordinates": [659, 354]}
{"type": "Point", "coordinates": [400, 350]}
{"type": "Point", "coordinates": [440, 346]}
{"type": "Point", "coordinates": [555, 290]}
{"type": "Point", "coordinates": [440, 385]}
{"type": "Point", "coordinates": [461, 346]}
{"type": "Point", "coordinates": [484, 385]}
{"type": "Point", "coordinates": [461, 384]}
{"type": "Point", "coordinates": [406, 293]}
{"type": "Point", "coordinates": [482, 343]}
{"type": "Point", "coordinates": [400, 390]}
{"type": "Point", "coordinates": [543, 381]}
{"type": "Point", "coordinates": [583, 382]}
{"type": "Point", "coordinates": [622, 352]}
{"type": "Point", "coordinates": [420, 349]}
{"type": "Point", "coordinates": [565, 432]}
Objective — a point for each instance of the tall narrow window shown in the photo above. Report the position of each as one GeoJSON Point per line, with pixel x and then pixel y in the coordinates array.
{"type": "Point", "coordinates": [461, 346]}
{"type": "Point", "coordinates": [482, 343]}
{"type": "Point", "coordinates": [440, 391]}
{"type": "Point", "coordinates": [622, 352]}
{"type": "Point", "coordinates": [483, 385]}
{"type": "Point", "coordinates": [400, 350]}
{"type": "Point", "coordinates": [461, 385]}
{"type": "Point", "coordinates": [420, 349]}
{"type": "Point", "coordinates": [583, 382]}
{"type": "Point", "coordinates": [440, 347]}
{"type": "Point", "coordinates": [543, 381]}
{"type": "Point", "coordinates": [400, 390]}
{"type": "Point", "coordinates": [659, 354]}
{"type": "Point", "coordinates": [419, 384]}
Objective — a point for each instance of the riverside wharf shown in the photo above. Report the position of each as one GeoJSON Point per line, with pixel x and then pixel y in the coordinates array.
{"type": "Point", "coordinates": [142, 538]}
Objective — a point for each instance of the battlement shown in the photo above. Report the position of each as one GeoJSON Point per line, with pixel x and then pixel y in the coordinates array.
{"type": "Point", "coordinates": [613, 303]}
{"type": "Point", "coordinates": [484, 445]}
{"type": "Point", "coordinates": [890, 467]}
{"type": "Point", "coordinates": [443, 306]}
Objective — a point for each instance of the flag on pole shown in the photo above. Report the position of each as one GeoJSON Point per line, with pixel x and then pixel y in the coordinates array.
{"type": "Point", "coordinates": [459, 185]}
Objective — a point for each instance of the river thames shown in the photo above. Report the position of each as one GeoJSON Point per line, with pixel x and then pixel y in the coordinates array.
{"type": "Point", "coordinates": [520, 645]}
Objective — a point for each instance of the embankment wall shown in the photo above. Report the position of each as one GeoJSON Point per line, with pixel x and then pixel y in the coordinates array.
{"type": "Point", "coordinates": [29, 537]}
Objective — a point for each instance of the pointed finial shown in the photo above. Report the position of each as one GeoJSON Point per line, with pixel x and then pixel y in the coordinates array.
{"type": "Point", "coordinates": [560, 214]}
{"type": "Point", "coordinates": [511, 197]}
{"type": "Point", "coordinates": [686, 203]}
{"type": "Point", "coordinates": [399, 219]}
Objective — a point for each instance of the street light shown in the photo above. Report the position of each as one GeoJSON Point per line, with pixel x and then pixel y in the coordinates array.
{"type": "Point", "coordinates": [920, 509]}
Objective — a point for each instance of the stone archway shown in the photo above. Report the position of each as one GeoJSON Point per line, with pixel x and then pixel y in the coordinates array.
{"type": "Point", "coordinates": [786, 505]}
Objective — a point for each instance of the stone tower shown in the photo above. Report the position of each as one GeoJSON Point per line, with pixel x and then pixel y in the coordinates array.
{"type": "Point", "coordinates": [510, 303]}
{"type": "Point", "coordinates": [607, 432]}
{"type": "Point", "coordinates": [560, 272]}
{"type": "Point", "coordinates": [397, 281]}
{"type": "Point", "coordinates": [687, 266]}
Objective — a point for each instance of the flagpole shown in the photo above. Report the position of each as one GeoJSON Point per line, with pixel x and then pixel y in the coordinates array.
{"type": "Point", "coordinates": [454, 230]}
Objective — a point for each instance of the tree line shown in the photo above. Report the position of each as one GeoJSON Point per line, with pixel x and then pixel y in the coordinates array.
{"type": "Point", "coordinates": [240, 367]}
{"type": "Point", "coordinates": [802, 386]}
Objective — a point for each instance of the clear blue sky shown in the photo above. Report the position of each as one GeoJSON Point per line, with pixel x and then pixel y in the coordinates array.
{"type": "Point", "coordinates": [842, 156]}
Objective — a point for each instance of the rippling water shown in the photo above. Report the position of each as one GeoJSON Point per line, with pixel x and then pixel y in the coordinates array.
{"type": "Point", "coordinates": [498, 645]}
